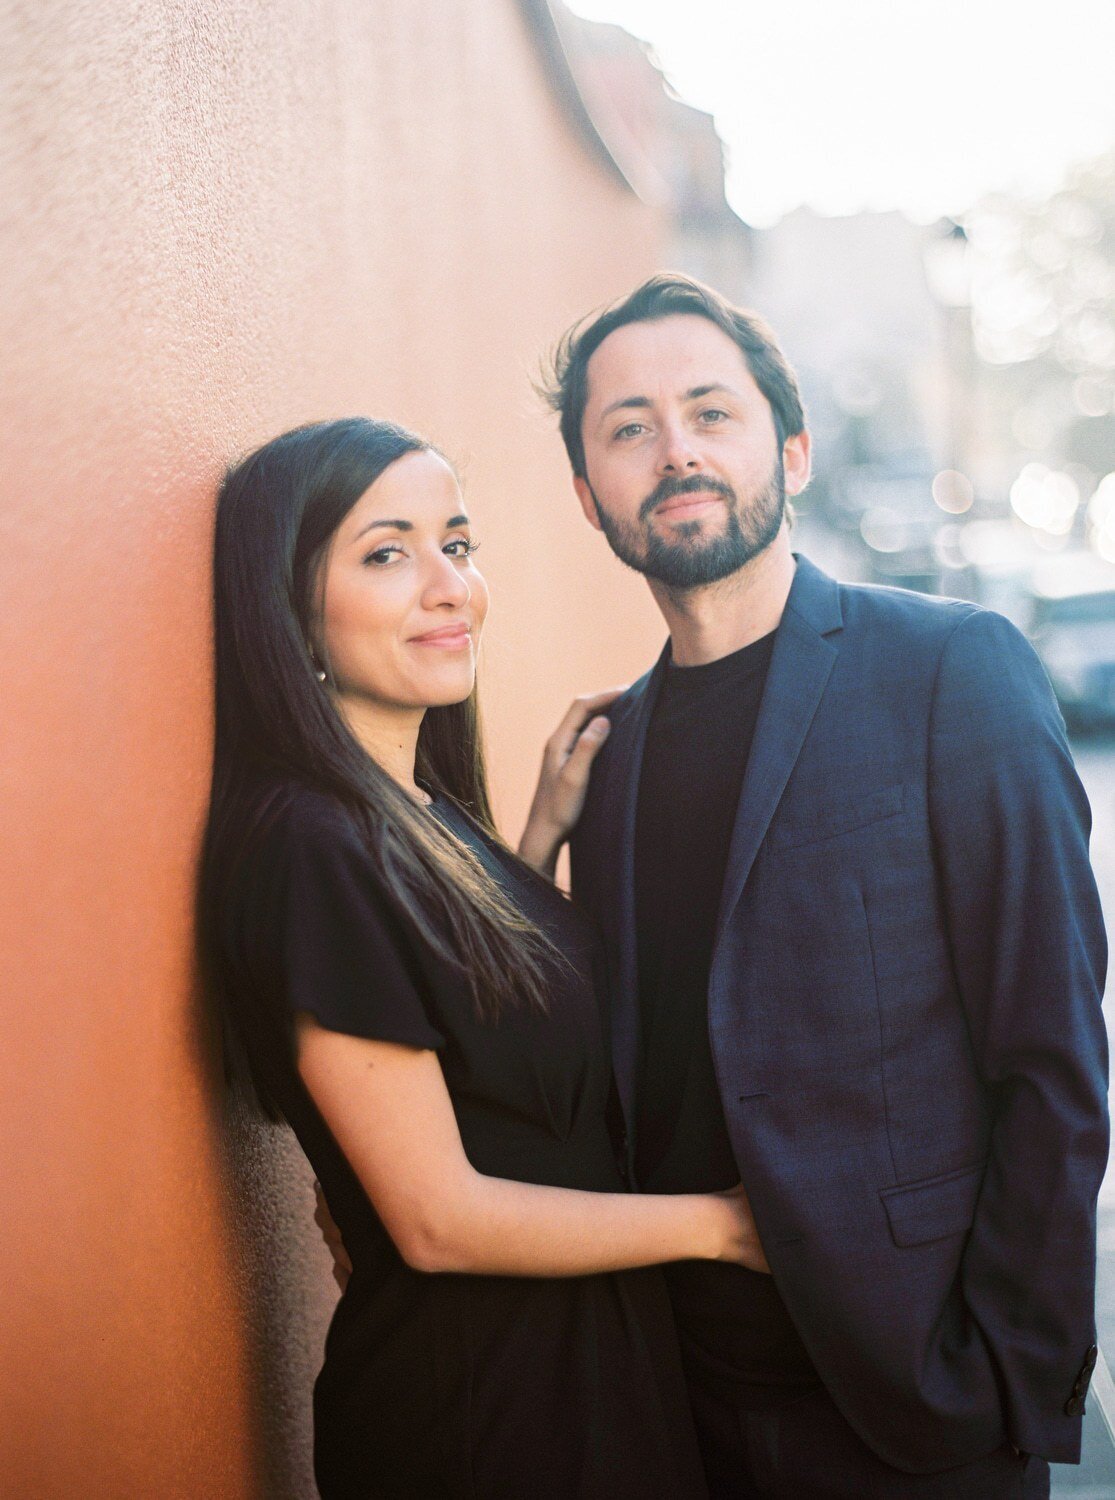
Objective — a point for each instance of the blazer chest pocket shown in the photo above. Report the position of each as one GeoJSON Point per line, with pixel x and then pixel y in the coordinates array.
{"type": "Point", "coordinates": [844, 817]}
{"type": "Point", "coordinates": [935, 1208]}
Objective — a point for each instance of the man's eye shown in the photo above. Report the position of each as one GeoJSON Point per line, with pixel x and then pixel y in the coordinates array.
{"type": "Point", "coordinates": [629, 429]}
{"type": "Point", "coordinates": [713, 414]}
{"type": "Point", "coordinates": [382, 556]}
{"type": "Point", "coordinates": [462, 546]}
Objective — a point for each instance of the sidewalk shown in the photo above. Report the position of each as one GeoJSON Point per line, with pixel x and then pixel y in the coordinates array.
{"type": "Point", "coordinates": [1095, 1477]}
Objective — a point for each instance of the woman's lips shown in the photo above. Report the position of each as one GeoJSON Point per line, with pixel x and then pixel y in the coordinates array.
{"type": "Point", "coordinates": [448, 638]}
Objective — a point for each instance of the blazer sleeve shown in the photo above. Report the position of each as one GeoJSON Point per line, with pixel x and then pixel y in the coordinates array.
{"type": "Point", "coordinates": [1010, 823]}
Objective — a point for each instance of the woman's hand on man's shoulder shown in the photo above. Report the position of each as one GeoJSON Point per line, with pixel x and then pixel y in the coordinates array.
{"type": "Point", "coordinates": [563, 780]}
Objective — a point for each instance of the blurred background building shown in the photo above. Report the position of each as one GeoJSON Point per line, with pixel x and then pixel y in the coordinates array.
{"type": "Point", "coordinates": [958, 374]}
{"type": "Point", "coordinates": [671, 151]}
{"type": "Point", "coordinates": [221, 221]}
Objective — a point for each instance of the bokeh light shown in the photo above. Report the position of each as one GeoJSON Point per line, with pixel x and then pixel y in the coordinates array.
{"type": "Point", "coordinates": [1045, 499]}
{"type": "Point", "coordinates": [953, 491]}
{"type": "Point", "coordinates": [1101, 518]}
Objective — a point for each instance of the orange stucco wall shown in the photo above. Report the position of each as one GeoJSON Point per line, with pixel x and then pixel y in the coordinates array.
{"type": "Point", "coordinates": [220, 218]}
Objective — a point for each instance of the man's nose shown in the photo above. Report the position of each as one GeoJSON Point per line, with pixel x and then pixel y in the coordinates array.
{"type": "Point", "coordinates": [677, 454]}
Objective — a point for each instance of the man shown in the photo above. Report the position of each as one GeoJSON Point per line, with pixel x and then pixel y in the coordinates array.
{"type": "Point", "coordinates": [838, 850]}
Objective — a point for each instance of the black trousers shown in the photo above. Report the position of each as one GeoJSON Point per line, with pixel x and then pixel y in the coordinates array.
{"type": "Point", "coordinates": [804, 1450]}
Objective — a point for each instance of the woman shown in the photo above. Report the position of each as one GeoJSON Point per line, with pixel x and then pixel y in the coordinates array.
{"type": "Point", "coordinates": [419, 1005]}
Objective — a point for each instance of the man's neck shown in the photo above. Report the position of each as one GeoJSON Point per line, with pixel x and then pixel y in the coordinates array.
{"type": "Point", "coordinates": [708, 623]}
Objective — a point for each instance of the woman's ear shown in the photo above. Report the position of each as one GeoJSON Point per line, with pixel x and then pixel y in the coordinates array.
{"type": "Point", "coordinates": [315, 626]}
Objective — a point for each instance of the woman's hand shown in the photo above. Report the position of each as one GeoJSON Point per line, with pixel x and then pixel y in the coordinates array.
{"type": "Point", "coordinates": [563, 781]}
{"type": "Point", "coordinates": [741, 1244]}
{"type": "Point", "coordinates": [342, 1266]}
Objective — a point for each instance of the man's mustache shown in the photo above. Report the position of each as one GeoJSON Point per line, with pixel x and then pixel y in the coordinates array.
{"type": "Point", "coordinates": [667, 488]}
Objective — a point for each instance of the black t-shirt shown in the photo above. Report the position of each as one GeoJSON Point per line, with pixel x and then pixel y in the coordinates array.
{"type": "Point", "coordinates": [732, 1321]}
{"type": "Point", "coordinates": [442, 1384]}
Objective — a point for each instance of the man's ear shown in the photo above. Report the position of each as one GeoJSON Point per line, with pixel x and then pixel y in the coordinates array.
{"type": "Point", "coordinates": [588, 504]}
{"type": "Point", "coordinates": [797, 461]}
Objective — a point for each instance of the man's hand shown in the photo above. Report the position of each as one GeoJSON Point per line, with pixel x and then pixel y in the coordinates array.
{"type": "Point", "coordinates": [342, 1266]}
{"type": "Point", "coordinates": [563, 780]}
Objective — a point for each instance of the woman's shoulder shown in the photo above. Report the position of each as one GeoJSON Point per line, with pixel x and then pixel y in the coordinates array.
{"type": "Point", "coordinates": [299, 839]}
{"type": "Point", "coordinates": [317, 928]}
{"type": "Point", "coordinates": [296, 819]}
{"type": "Point", "coordinates": [306, 868]}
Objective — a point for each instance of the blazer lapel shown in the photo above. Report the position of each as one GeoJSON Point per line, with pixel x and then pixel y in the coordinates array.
{"type": "Point", "coordinates": [616, 847]}
{"type": "Point", "coordinates": [799, 669]}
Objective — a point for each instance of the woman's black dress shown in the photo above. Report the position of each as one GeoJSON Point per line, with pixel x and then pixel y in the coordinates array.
{"type": "Point", "coordinates": [492, 1387]}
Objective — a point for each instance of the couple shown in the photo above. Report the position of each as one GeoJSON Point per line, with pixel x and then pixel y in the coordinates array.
{"type": "Point", "coordinates": [833, 927]}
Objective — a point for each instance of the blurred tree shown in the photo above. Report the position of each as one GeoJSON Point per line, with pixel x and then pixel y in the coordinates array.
{"type": "Point", "coordinates": [1043, 307]}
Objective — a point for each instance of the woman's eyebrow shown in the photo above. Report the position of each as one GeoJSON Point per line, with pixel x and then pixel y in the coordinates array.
{"type": "Point", "coordinates": [394, 525]}
{"type": "Point", "coordinates": [400, 525]}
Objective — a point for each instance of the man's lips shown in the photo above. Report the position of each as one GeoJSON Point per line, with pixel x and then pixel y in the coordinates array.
{"type": "Point", "coordinates": [692, 502]}
{"type": "Point", "coordinates": [449, 637]}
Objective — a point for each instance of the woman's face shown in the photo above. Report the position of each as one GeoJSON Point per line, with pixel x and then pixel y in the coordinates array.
{"type": "Point", "coordinates": [402, 605]}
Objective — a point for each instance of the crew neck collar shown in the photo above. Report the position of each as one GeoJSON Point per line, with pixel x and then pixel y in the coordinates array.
{"type": "Point", "coordinates": [739, 663]}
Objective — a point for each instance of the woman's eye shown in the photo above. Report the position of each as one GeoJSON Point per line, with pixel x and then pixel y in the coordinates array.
{"type": "Point", "coordinates": [461, 546]}
{"type": "Point", "coordinates": [382, 556]}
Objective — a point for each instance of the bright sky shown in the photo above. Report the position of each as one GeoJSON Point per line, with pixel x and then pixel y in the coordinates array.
{"type": "Point", "coordinates": [850, 104]}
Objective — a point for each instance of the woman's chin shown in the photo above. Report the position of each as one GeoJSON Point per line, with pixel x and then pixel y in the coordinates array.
{"type": "Point", "coordinates": [451, 688]}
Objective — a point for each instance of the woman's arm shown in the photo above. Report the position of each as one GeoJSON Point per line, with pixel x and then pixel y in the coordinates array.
{"type": "Point", "coordinates": [389, 1111]}
{"type": "Point", "coordinates": [563, 780]}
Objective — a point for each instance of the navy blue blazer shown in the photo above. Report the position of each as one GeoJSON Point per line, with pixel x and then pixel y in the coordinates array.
{"type": "Point", "coordinates": [904, 1013]}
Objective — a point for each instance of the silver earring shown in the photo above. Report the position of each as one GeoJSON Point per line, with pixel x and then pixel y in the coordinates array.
{"type": "Point", "coordinates": [320, 674]}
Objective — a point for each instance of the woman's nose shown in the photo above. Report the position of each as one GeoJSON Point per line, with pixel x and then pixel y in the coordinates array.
{"type": "Point", "coordinates": [446, 585]}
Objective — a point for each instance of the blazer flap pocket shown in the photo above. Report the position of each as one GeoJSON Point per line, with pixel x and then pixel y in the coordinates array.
{"type": "Point", "coordinates": [838, 817]}
{"type": "Point", "coordinates": [935, 1208]}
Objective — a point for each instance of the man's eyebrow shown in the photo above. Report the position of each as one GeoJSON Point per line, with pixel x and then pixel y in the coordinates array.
{"type": "Point", "coordinates": [698, 391]}
{"type": "Point", "coordinates": [461, 520]}
{"type": "Point", "coordinates": [634, 401]}
{"type": "Point", "coordinates": [693, 394]}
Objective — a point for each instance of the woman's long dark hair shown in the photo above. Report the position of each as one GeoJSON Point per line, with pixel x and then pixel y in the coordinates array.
{"type": "Point", "coordinates": [277, 725]}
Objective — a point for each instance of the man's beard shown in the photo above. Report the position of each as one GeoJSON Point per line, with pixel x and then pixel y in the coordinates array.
{"type": "Point", "coordinates": [685, 563]}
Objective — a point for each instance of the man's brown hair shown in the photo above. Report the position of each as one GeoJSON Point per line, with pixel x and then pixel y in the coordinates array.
{"type": "Point", "coordinates": [663, 296]}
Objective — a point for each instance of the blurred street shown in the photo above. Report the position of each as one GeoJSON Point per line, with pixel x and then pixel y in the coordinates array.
{"type": "Point", "coordinates": [1095, 1479]}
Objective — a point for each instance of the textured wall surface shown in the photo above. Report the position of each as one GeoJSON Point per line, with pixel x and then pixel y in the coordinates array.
{"type": "Point", "coordinates": [220, 218]}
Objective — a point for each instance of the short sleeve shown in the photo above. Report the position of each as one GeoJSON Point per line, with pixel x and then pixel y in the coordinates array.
{"type": "Point", "coordinates": [325, 937]}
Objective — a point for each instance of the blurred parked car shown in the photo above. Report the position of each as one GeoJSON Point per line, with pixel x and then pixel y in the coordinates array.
{"type": "Point", "coordinates": [1074, 634]}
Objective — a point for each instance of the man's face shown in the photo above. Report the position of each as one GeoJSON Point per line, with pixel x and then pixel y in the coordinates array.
{"type": "Point", "coordinates": [684, 474]}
